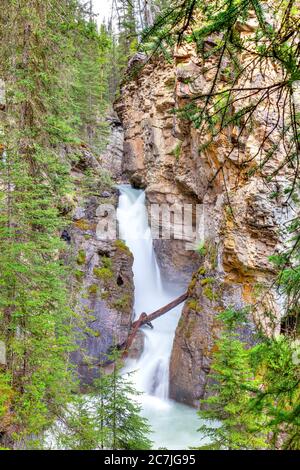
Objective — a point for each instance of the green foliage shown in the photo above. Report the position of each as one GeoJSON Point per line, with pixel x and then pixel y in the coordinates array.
{"type": "Point", "coordinates": [93, 289]}
{"type": "Point", "coordinates": [254, 394]}
{"type": "Point", "coordinates": [108, 419]}
{"type": "Point", "coordinates": [6, 395]}
{"type": "Point", "coordinates": [177, 150]}
{"type": "Point", "coordinates": [90, 86]}
{"type": "Point", "coordinates": [53, 62]}
{"type": "Point", "coordinates": [287, 262]}
{"type": "Point", "coordinates": [122, 304]}
{"type": "Point", "coordinates": [209, 293]}
{"type": "Point", "coordinates": [121, 245]}
{"type": "Point", "coordinates": [207, 280]}
{"type": "Point", "coordinates": [81, 257]}
{"type": "Point", "coordinates": [103, 273]}
{"type": "Point", "coordinates": [228, 424]}
{"type": "Point", "coordinates": [107, 262]}
{"type": "Point", "coordinates": [201, 248]}
{"type": "Point", "coordinates": [193, 305]}
{"type": "Point", "coordinates": [223, 108]}
{"type": "Point", "coordinates": [255, 389]}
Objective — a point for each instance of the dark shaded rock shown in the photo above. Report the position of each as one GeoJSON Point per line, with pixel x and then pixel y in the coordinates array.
{"type": "Point", "coordinates": [105, 194]}
{"type": "Point", "coordinates": [172, 259]}
{"type": "Point", "coordinates": [66, 236]}
{"type": "Point", "coordinates": [137, 347]}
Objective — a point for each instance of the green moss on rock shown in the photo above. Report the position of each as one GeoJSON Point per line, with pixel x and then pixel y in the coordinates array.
{"type": "Point", "coordinates": [123, 303]}
{"type": "Point", "coordinates": [209, 293]}
{"type": "Point", "coordinates": [93, 289]}
{"type": "Point", "coordinates": [81, 257]}
{"type": "Point", "coordinates": [82, 224]}
{"type": "Point", "coordinates": [121, 245]}
{"type": "Point", "coordinates": [192, 304]}
{"type": "Point", "coordinates": [107, 262]}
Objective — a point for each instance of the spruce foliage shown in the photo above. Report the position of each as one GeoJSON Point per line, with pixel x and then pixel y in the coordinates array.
{"type": "Point", "coordinates": [254, 395]}
{"type": "Point", "coordinates": [54, 66]}
{"type": "Point", "coordinates": [109, 418]}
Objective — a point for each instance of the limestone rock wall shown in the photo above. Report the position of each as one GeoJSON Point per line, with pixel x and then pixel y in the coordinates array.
{"type": "Point", "coordinates": [151, 156]}
{"type": "Point", "coordinates": [101, 284]}
{"type": "Point", "coordinates": [112, 158]}
{"type": "Point", "coordinates": [166, 155]}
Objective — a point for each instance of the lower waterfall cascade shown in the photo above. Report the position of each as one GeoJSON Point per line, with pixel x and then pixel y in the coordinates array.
{"type": "Point", "coordinates": [174, 425]}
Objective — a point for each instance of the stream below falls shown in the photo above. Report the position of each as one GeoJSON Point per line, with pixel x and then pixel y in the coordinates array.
{"type": "Point", "coordinates": [174, 425]}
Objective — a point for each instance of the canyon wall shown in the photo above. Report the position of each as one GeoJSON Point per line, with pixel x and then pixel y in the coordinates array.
{"type": "Point", "coordinates": [242, 209]}
{"type": "Point", "coordinates": [101, 285]}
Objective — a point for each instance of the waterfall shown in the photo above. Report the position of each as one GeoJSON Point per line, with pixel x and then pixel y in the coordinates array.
{"type": "Point", "coordinates": [174, 425]}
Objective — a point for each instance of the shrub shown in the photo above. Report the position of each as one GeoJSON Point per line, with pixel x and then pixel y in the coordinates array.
{"type": "Point", "coordinates": [123, 303]}
{"type": "Point", "coordinates": [122, 246]}
{"type": "Point", "coordinates": [107, 262]}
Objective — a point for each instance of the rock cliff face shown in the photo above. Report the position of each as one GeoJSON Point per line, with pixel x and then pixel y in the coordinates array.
{"type": "Point", "coordinates": [104, 293]}
{"type": "Point", "coordinates": [102, 278]}
{"type": "Point", "coordinates": [240, 221]}
{"type": "Point", "coordinates": [112, 157]}
{"type": "Point", "coordinates": [151, 157]}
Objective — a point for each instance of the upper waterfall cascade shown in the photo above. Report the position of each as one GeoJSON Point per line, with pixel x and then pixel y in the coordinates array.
{"type": "Point", "coordinates": [174, 425]}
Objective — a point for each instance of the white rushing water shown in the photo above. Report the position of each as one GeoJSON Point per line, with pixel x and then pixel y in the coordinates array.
{"type": "Point", "coordinates": [174, 425]}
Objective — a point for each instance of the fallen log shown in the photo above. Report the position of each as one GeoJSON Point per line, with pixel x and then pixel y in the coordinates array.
{"type": "Point", "coordinates": [145, 319]}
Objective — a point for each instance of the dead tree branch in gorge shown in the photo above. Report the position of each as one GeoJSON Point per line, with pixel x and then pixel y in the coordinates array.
{"type": "Point", "coordinates": [145, 319]}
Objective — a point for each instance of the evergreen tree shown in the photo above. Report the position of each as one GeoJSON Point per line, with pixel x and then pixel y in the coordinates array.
{"type": "Point", "coordinates": [40, 52]}
{"type": "Point", "coordinates": [230, 421]}
{"type": "Point", "coordinates": [254, 394]}
{"type": "Point", "coordinates": [109, 418]}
